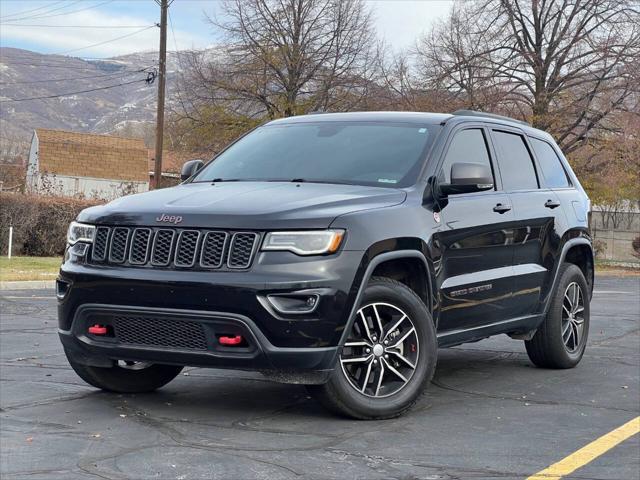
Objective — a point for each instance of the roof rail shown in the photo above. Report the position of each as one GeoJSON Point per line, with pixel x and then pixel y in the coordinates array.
{"type": "Point", "coordinates": [473, 113]}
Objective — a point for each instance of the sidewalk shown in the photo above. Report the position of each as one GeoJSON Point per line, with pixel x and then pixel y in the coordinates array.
{"type": "Point", "coordinates": [28, 285]}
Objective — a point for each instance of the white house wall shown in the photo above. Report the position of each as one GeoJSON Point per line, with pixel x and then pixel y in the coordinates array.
{"type": "Point", "coordinates": [88, 187]}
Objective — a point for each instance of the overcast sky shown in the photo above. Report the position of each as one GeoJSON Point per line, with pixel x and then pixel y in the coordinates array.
{"type": "Point", "coordinates": [68, 26]}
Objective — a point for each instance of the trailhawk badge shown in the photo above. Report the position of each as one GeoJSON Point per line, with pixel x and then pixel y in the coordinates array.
{"type": "Point", "coordinates": [175, 219]}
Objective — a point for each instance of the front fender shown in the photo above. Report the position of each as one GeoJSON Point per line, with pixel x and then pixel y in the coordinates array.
{"type": "Point", "coordinates": [362, 282]}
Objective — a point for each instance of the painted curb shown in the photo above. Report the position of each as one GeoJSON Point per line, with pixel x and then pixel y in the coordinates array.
{"type": "Point", "coordinates": [28, 285]}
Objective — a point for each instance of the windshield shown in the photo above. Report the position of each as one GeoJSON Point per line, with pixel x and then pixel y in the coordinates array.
{"type": "Point", "coordinates": [388, 155]}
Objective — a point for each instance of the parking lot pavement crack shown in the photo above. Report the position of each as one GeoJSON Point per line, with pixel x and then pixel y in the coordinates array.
{"type": "Point", "coordinates": [527, 400]}
{"type": "Point", "coordinates": [89, 465]}
{"type": "Point", "coordinates": [612, 338]}
{"type": "Point", "coordinates": [59, 427]}
{"type": "Point", "coordinates": [25, 363]}
{"type": "Point", "coordinates": [44, 471]}
{"type": "Point", "coordinates": [450, 471]}
{"type": "Point", "coordinates": [271, 415]}
{"type": "Point", "coordinates": [524, 354]}
{"type": "Point", "coordinates": [51, 401]}
{"type": "Point", "coordinates": [178, 437]}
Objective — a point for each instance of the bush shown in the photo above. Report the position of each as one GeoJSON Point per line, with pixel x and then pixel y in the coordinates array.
{"type": "Point", "coordinates": [39, 222]}
{"type": "Point", "coordinates": [599, 248]}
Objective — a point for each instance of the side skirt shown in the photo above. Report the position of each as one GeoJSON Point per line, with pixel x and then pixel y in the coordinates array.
{"type": "Point", "coordinates": [451, 338]}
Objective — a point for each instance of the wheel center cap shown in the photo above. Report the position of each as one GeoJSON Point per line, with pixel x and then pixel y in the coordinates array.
{"type": "Point", "coordinates": [378, 350]}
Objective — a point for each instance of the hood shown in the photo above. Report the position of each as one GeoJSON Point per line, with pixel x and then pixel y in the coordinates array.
{"type": "Point", "coordinates": [243, 205]}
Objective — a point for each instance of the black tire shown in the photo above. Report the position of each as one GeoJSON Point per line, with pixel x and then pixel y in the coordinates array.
{"type": "Point", "coordinates": [123, 380]}
{"type": "Point", "coordinates": [340, 395]}
{"type": "Point", "coordinates": [547, 348]}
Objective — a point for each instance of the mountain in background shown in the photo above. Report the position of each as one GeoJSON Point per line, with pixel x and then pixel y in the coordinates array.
{"type": "Point", "coordinates": [128, 109]}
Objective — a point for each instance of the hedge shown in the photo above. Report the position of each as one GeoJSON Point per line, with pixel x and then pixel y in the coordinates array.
{"type": "Point", "coordinates": [39, 222]}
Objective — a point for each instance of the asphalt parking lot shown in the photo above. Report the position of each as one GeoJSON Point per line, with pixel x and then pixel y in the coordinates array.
{"type": "Point", "coordinates": [488, 414]}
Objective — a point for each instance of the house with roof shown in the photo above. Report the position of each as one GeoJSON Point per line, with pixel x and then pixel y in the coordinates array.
{"type": "Point", "coordinates": [86, 165]}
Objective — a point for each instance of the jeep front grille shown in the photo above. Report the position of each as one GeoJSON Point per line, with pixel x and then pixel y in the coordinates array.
{"type": "Point", "coordinates": [242, 247]}
{"type": "Point", "coordinates": [213, 249]}
{"type": "Point", "coordinates": [174, 248]}
{"type": "Point", "coordinates": [140, 243]}
{"type": "Point", "coordinates": [119, 244]}
{"type": "Point", "coordinates": [100, 241]}
{"type": "Point", "coordinates": [162, 247]}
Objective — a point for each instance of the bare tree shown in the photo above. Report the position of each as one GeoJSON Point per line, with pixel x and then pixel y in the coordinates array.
{"type": "Point", "coordinates": [455, 57]}
{"type": "Point", "coordinates": [566, 65]}
{"type": "Point", "coordinates": [285, 57]}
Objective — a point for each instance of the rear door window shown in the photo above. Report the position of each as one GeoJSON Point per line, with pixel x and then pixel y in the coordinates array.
{"type": "Point", "coordinates": [516, 165]}
{"type": "Point", "coordinates": [554, 174]}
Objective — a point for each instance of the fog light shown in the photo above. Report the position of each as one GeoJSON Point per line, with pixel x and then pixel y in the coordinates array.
{"type": "Point", "coordinates": [294, 304]}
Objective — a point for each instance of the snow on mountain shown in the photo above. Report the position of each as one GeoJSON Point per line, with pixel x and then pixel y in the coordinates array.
{"type": "Point", "coordinates": [25, 74]}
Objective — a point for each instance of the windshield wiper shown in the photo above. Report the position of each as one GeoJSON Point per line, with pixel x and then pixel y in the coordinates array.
{"type": "Point", "coordinates": [216, 180]}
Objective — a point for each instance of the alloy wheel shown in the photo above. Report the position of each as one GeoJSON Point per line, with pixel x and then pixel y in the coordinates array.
{"type": "Point", "coordinates": [573, 317]}
{"type": "Point", "coordinates": [380, 356]}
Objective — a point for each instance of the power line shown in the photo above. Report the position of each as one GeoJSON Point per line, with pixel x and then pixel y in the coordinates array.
{"type": "Point", "coordinates": [148, 80]}
{"type": "Point", "coordinates": [113, 74]}
{"type": "Point", "coordinates": [73, 26]}
{"type": "Point", "coordinates": [90, 66]}
{"type": "Point", "coordinates": [106, 41]}
{"type": "Point", "coordinates": [173, 33]}
{"type": "Point", "coordinates": [54, 65]}
{"type": "Point", "coordinates": [31, 10]}
{"type": "Point", "coordinates": [46, 15]}
{"type": "Point", "coordinates": [41, 14]}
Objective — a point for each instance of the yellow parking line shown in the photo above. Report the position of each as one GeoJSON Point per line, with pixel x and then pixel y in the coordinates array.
{"type": "Point", "coordinates": [589, 452]}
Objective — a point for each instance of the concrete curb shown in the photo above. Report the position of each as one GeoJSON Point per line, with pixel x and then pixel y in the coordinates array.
{"type": "Point", "coordinates": [28, 285]}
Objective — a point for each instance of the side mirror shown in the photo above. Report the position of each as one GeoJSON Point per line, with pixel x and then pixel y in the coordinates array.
{"type": "Point", "coordinates": [467, 178]}
{"type": "Point", "coordinates": [190, 168]}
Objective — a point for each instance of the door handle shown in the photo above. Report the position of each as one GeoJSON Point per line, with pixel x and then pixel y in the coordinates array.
{"type": "Point", "coordinates": [552, 204]}
{"type": "Point", "coordinates": [500, 208]}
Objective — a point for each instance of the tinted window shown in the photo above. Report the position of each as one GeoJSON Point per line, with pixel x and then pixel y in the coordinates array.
{"type": "Point", "coordinates": [516, 165]}
{"type": "Point", "coordinates": [468, 146]}
{"type": "Point", "coordinates": [554, 174]}
{"type": "Point", "coordinates": [387, 155]}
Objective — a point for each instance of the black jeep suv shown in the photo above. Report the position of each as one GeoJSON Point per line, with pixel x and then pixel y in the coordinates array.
{"type": "Point", "coordinates": [337, 251]}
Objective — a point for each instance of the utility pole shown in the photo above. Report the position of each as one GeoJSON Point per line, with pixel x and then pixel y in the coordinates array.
{"type": "Point", "coordinates": [162, 70]}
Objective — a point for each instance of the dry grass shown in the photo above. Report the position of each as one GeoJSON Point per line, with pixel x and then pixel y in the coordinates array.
{"type": "Point", "coordinates": [29, 268]}
{"type": "Point", "coordinates": [606, 270]}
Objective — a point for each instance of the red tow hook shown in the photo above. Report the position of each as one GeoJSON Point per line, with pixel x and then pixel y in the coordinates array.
{"type": "Point", "coordinates": [97, 330]}
{"type": "Point", "coordinates": [237, 340]}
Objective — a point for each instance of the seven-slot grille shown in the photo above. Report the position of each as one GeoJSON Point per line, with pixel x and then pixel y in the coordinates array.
{"type": "Point", "coordinates": [168, 247]}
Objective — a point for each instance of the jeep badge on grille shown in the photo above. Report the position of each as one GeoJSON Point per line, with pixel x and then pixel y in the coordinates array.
{"type": "Point", "coordinates": [175, 219]}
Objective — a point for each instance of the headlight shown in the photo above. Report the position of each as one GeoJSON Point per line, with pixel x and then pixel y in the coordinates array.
{"type": "Point", "coordinates": [80, 232]}
{"type": "Point", "coordinates": [304, 243]}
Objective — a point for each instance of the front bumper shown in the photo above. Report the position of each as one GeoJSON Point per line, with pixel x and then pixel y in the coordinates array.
{"type": "Point", "coordinates": [299, 365]}
{"type": "Point", "coordinates": [220, 302]}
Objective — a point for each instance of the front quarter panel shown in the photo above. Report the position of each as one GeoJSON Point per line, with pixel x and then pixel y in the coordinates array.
{"type": "Point", "coordinates": [404, 230]}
